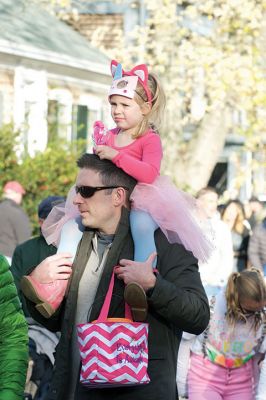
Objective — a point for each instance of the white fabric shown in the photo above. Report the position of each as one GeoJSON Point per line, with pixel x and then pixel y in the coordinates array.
{"type": "Point", "coordinates": [261, 390]}
{"type": "Point", "coordinates": [183, 361]}
{"type": "Point", "coordinates": [219, 266]}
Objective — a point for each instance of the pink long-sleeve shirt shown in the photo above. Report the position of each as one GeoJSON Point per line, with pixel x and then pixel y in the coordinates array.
{"type": "Point", "coordinates": [141, 159]}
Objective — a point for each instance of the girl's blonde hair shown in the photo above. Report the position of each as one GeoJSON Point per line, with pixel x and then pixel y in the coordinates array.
{"type": "Point", "coordinates": [248, 284]}
{"type": "Point", "coordinates": [154, 118]}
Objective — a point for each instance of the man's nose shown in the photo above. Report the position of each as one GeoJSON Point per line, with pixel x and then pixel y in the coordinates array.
{"type": "Point", "coordinates": [77, 199]}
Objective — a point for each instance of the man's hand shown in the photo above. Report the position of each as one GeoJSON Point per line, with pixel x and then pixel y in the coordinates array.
{"type": "Point", "coordinates": [140, 272]}
{"type": "Point", "coordinates": [54, 267]}
{"type": "Point", "coordinates": [105, 152]}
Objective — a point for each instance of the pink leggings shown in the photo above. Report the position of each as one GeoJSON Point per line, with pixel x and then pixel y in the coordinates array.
{"type": "Point", "coordinates": [209, 381]}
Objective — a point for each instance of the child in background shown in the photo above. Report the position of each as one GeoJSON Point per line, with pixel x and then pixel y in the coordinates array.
{"type": "Point", "coordinates": [225, 356]}
{"type": "Point", "coordinates": [137, 104]}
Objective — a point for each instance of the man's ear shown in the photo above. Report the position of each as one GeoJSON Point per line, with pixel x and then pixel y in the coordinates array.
{"type": "Point", "coordinates": [119, 196]}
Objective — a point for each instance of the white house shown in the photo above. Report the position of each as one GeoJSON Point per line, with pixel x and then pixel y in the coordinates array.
{"type": "Point", "coordinates": [52, 81]}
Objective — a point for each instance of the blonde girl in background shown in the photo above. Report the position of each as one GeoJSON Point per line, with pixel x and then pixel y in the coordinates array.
{"type": "Point", "coordinates": [224, 359]}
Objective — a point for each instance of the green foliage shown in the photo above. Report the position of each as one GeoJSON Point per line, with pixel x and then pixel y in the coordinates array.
{"type": "Point", "coordinates": [8, 157]}
{"type": "Point", "coordinates": [51, 172]}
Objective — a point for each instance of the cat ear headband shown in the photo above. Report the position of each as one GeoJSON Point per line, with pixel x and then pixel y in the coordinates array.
{"type": "Point", "coordinates": [125, 82]}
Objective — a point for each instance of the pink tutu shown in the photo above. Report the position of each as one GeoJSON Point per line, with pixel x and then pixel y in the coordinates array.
{"type": "Point", "coordinates": [175, 212]}
{"type": "Point", "coordinates": [52, 226]}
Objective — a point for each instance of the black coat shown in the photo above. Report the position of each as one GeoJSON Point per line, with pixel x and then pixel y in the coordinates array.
{"type": "Point", "coordinates": [178, 302]}
{"type": "Point", "coordinates": [25, 258]}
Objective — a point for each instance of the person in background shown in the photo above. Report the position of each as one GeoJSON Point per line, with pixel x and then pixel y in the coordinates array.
{"type": "Point", "coordinates": [30, 253]}
{"type": "Point", "coordinates": [254, 211]}
{"type": "Point", "coordinates": [234, 216]}
{"type": "Point", "coordinates": [42, 342]}
{"type": "Point", "coordinates": [257, 247]}
{"type": "Point", "coordinates": [15, 225]}
{"type": "Point", "coordinates": [215, 272]}
{"type": "Point", "coordinates": [14, 338]}
{"type": "Point", "coordinates": [225, 357]}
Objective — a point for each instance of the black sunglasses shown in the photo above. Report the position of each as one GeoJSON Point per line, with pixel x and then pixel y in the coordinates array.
{"type": "Point", "coordinates": [88, 191]}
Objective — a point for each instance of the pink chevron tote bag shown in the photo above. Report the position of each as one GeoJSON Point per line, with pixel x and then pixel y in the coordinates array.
{"type": "Point", "coordinates": [114, 351]}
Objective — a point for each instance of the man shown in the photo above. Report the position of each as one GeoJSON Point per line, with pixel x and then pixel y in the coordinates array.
{"type": "Point", "coordinates": [177, 300]}
{"type": "Point", "coordinates": [254, 211]}
{"type": "Point", "coordinates": [215, 272]}
{"type": "Point", "coordinates": [30, 253]}
{"type": "Point", "coordinates": [42, 342]}
{"type": "Point", "coordinates": [257, 247]}
{"type": "Point", "coordinates": [15, 226]}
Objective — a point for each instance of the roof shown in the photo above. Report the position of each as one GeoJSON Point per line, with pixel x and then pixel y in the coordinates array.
{"type": "Point", "coordinates": [100, 6]}
{"type": "Point", "coordinates": [24, 25]}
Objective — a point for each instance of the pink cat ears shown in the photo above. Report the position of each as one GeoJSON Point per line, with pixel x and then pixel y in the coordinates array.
{"type": "Point", "coordinates": [125, 82]}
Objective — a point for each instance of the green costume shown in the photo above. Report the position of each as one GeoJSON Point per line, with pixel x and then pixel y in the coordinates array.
{"type": "Point", "coordinates": [13, 338]}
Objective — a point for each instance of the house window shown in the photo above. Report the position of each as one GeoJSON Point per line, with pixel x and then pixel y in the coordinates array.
{"type": "Point", "coordinates": [83, 120]}
{"type": "Point", "coordinates": [58, 120]}
{"type": "Point", "coordinates": [59, 115]}
{"type": "Point", "coordinates": [52, 119]}
{"type": "Point", "coordinates": [80, 123]}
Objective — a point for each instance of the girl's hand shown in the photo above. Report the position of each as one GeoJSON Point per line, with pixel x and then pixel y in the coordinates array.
{"type": "Point", "coordinates": [105, 152]}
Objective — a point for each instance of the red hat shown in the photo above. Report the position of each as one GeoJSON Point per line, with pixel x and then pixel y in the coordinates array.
{"type": "Point", "coordinates": [15, 187]}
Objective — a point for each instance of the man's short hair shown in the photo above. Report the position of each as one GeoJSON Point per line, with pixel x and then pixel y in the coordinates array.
{"type": "Point", "coordinates": [205, 190]}
{"type": "Point", "coordinates": [110, 174]}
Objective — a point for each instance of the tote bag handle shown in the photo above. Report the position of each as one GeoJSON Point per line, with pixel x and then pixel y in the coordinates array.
{"type": "Point", "coordinates": [106, 305]}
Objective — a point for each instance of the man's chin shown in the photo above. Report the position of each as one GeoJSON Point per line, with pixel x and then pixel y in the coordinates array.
{"type": "Point", "coordinates": [85, 221]}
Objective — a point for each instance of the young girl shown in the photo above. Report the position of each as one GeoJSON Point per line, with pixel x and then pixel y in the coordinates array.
{"type": "Point", "coordinates": [137, 103]}
{"type": "Point", "coordinates": [224, 360]}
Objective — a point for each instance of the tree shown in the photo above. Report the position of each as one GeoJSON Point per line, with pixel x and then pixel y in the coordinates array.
{"type": "Point", "coordinates": [210, 60]}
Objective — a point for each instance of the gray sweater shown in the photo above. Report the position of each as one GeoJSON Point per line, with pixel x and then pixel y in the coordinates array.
{"type": "Point", "coordinates": [257, 246]}
{"type": "Point", "coordinates": [15, 226]}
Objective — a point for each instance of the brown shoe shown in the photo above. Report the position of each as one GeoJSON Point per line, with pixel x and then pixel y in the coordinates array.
{"type": "Point", "coordinates": [135, 297]}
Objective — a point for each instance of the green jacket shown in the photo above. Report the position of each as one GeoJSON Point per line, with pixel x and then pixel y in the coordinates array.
{"type": "Point", "coordinates": [178, 302]}
{"type": "Point", "coordinates": [25, 258]}
{"type": "Point", "coordinates": [13, 338]}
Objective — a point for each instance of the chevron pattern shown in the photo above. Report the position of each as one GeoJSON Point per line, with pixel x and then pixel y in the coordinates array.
{"type": "Point", "coordinates": [113, 353]}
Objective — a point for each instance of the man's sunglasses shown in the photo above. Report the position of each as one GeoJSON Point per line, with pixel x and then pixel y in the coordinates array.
{"type": "Point", "coordinates": [88, 191]}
